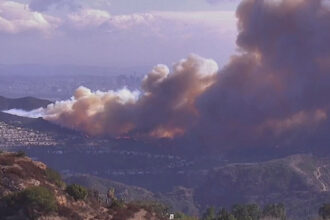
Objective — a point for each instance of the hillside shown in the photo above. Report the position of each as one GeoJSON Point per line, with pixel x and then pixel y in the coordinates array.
{"type": "Point", "coordinates": [124, 191]}
{"type": "Point", "coordinates": [141, 170]}
{"type": "Point", "coordinates": [179, 199]}
{"type": "Point", "coordinates": [38, 124]}
{"type": "Point", "coordinates": [301, 182]}
{"type": "Point", "coordinates": [30, 190]}
{"type": "Point", "coordinates": [26, 103]}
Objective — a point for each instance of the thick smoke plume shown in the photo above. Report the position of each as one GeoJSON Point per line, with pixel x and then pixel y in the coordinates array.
{"type": "Point", "coordinates": [274, 92]}
{"type": "Point", "coordinates": [165, 107]}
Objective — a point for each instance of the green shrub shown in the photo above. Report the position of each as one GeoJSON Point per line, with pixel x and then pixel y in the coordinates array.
{"type": "Point", "coordinates": [54, 177]}
{"type": "Point", "coordinates": [182, 216]}
{"type": "Point", "coordinates": [34, 202]}
{"type": "Point", "coordinates": [20, 153]}
{"type": "Point", "coordinates": [121, 211]}
{"type": "Point", "coordinates": [246, 212]}
{"type": "Point", "coordinates": [77, 192]}
{"type": "Point", "coordinates": [210, 214]}
{"type": "Point", "coordinates": [275, 211]}
{"type": "Point", "coordinates": [40, 198]}
{"type": "Point", "coordinates": [115, 204]}
{"type": "Point", "coordinates": [159, 209]}
{"type": "Point", "coordinates": [7, 161]}
{"type": "Point", "coordinates": [223, 214]}
{"type": "Point", "coordinates": [324, 211]}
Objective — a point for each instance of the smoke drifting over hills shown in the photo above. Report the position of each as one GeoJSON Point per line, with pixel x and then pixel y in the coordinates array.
{"type": "Point", "coordinates": [30, 114]}
{"type": "Point", "coordinates": [273, 92]}
{"type": "Point", "coordinates": [164, 109]}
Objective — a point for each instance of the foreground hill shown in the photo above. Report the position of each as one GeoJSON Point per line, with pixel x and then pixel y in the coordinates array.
{"type": "Point", "coordinates": [37, 124]}
{"type": "Point", "coordinates": [30, 190]}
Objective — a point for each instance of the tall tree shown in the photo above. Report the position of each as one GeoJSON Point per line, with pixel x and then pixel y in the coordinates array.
{"type": "Point", "coordinates": [324, 211]}
{"type": "Point", "coordinates": [275, 211]}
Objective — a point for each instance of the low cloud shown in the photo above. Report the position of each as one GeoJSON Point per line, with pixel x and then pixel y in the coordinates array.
{"type": "Point", "coordinates": [89, 18]}
{"type": "Point", "coordinates": [16, 18]}
{"type": "Point", "coordinates": [72, 5]}
{"type": "Point", "coordinates": [44, 5]}
{"type": "Point", "coordinates": [93, 18]}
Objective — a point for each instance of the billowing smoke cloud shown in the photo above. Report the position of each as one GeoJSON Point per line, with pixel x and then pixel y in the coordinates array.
{"type": "Point", "coordinates": [277, 88]}
{"type": "Point", "coordinates": [274, 92]}
{"type": "Point", "coordinates": [165, 107]}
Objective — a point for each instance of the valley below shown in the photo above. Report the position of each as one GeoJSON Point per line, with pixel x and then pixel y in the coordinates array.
{"type": "Point", "coordinates": [165, 171]}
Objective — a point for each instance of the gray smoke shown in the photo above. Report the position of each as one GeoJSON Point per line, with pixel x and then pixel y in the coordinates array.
{"type": "Point", "coordinates": [276, 89]}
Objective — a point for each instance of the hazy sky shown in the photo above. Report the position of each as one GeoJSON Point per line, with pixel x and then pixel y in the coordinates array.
{"type": "Point", "coordinates": [115, 32]}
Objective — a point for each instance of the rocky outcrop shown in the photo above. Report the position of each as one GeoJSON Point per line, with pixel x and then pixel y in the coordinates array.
{"type": "Point", "coordinates": [19, 173]}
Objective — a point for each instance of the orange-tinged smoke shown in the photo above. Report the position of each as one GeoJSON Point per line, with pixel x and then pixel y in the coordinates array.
{"type": "Point", "coordinates": [164, 108]}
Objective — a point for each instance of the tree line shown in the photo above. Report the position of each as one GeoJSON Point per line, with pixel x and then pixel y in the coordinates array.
{"type": "Point", "coordinates": [274, 211]}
